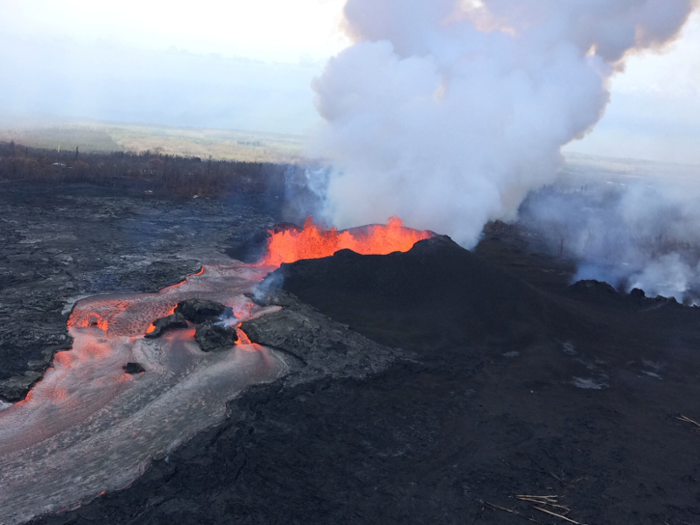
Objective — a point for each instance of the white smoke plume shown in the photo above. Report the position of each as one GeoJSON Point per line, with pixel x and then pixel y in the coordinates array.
{"type": "Point", "coordinates": [448, 112]}
{"type": "Point", "coordinates": [640, 231]}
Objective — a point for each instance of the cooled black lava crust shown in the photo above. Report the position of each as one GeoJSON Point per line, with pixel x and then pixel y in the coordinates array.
{"type": "Point", "coordinates": [65, 241]}
{"type": "Point", "coordinates": [518, 384]}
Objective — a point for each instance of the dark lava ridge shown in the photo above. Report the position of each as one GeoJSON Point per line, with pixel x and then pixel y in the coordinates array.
{"type": "Point", "coordinates": [199, 310]}
{"type": "Point", "coordinates": [162, 325]}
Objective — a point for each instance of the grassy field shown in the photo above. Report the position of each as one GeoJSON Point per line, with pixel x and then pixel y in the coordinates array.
{"type": "Point", "coordinates": [247, 146]}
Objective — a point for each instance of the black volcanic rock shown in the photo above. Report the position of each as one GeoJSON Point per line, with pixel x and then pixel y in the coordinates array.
{"type": "Point", "coordinates": [87, 232]}
{"type": "Point", "coordinates": [215, 337]}
{"type": "Point", "coordinates": [596, 292]}
{"type": "Point", "coordinates": [500, 388]}
{"type": "Point", "coordinates": [15, 388]}
{"type": "Point", "coordinates": [199, 310]}
{"type": "Point", "coordinates": [249, 247]}
{"type": "Point", "coordinates": [164, 324]}
{"type": "Point", "coordinates": [638, 294]}
{"type": "Point", "coordinates": [594, 286]}
{"type": "Point", "coordinates": [133, 368]}
{"type": "Point", "coordinates": [317, 347]}
{"type": "Point", "coordinates": [446, 295]}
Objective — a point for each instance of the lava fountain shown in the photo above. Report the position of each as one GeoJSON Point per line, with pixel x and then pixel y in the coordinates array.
{"type": "Point", "coordinates": [89, 427]}
{"type": "Point", "coordinates": [314, 241]}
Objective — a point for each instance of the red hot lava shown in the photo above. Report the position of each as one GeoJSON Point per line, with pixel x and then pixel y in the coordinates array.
{"type": "Point", "coordinates": [314, 241]}
{"type": "Point", "coordinates": [89, 379]}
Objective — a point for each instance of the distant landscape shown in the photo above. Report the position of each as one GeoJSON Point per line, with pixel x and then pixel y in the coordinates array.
{"type": "Point", "coordinates": [87, 156]}
{"type": "Point", "coordinates": [91, 137]}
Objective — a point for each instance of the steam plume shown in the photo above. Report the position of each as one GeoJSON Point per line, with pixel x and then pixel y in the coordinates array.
{"type": "Point", "coordinates": [448, 112]}
{"type": "Point", "coordinates": [639, 231]}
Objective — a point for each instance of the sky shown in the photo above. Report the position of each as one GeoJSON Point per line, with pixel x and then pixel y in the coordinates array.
{"type": "Point", "coordinates": [268, 30]}
{"type": "Point", "coordinates": [654, 112]}
{"type": "Point", "coordinates": [249, 65]}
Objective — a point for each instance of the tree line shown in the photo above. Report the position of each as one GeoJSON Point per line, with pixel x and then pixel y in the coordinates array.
{"type": "Point", "coordinates": [169, 174]}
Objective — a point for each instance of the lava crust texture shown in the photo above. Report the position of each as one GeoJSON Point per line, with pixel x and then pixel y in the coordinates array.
{"type": "Point", "coordinates": [502, 387]}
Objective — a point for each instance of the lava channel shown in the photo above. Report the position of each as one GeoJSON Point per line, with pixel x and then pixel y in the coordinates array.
{"type": "Point", "coordinates": [88, 427]}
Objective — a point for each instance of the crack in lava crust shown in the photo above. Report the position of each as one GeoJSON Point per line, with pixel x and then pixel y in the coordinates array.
{"type": "Point", "coordinates": [88, 426]}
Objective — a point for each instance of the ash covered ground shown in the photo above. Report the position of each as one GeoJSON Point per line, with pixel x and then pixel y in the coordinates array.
{"type": "Point", "coordinates": [428, 387]}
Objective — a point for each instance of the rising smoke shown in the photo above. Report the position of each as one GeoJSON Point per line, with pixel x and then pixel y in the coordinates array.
{"type": "Point", "coordinates": [447, 112]}
{"type": "Point", "coordinates": [637, 231]}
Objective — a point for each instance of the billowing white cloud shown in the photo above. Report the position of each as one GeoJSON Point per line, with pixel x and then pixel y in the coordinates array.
{"type": "Point", "coordinates": [448, 116]}
{"type": "Point", "coordinates": [654, 112]}
{"type": "Point", "coordinates": [56, 54]}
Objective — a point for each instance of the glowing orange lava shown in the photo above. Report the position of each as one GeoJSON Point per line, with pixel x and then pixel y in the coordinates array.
{"type": "Point", "coordinates": [243, 338]}
{"type": "Point", "coordinates": [314, 241]}
{"type": "Point", "coordinates": [92, 319]}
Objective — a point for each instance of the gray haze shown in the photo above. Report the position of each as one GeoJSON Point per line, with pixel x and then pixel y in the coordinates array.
{"type": "Point", "coordinates": [62, 78]}
{"type": "Point", "coordinates": [632, 224]}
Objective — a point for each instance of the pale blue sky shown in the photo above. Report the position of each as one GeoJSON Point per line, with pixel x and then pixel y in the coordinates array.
{"type": "Point", "coordinates": [249, 65]}
{"type": "Point", "coordinates": [654, 111]}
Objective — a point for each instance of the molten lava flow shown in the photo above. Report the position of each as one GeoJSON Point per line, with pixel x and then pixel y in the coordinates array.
{"type": "Point", "coordinates": [92, 319]}
{"type": "Point", "coordinates": [86, 398]}
{"type": "Point", "coordinates": [243, 338]}
{"type": "Point", "coordinates": [132, 316]}
{"type": "Point", "coordinates": [314, 241]}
